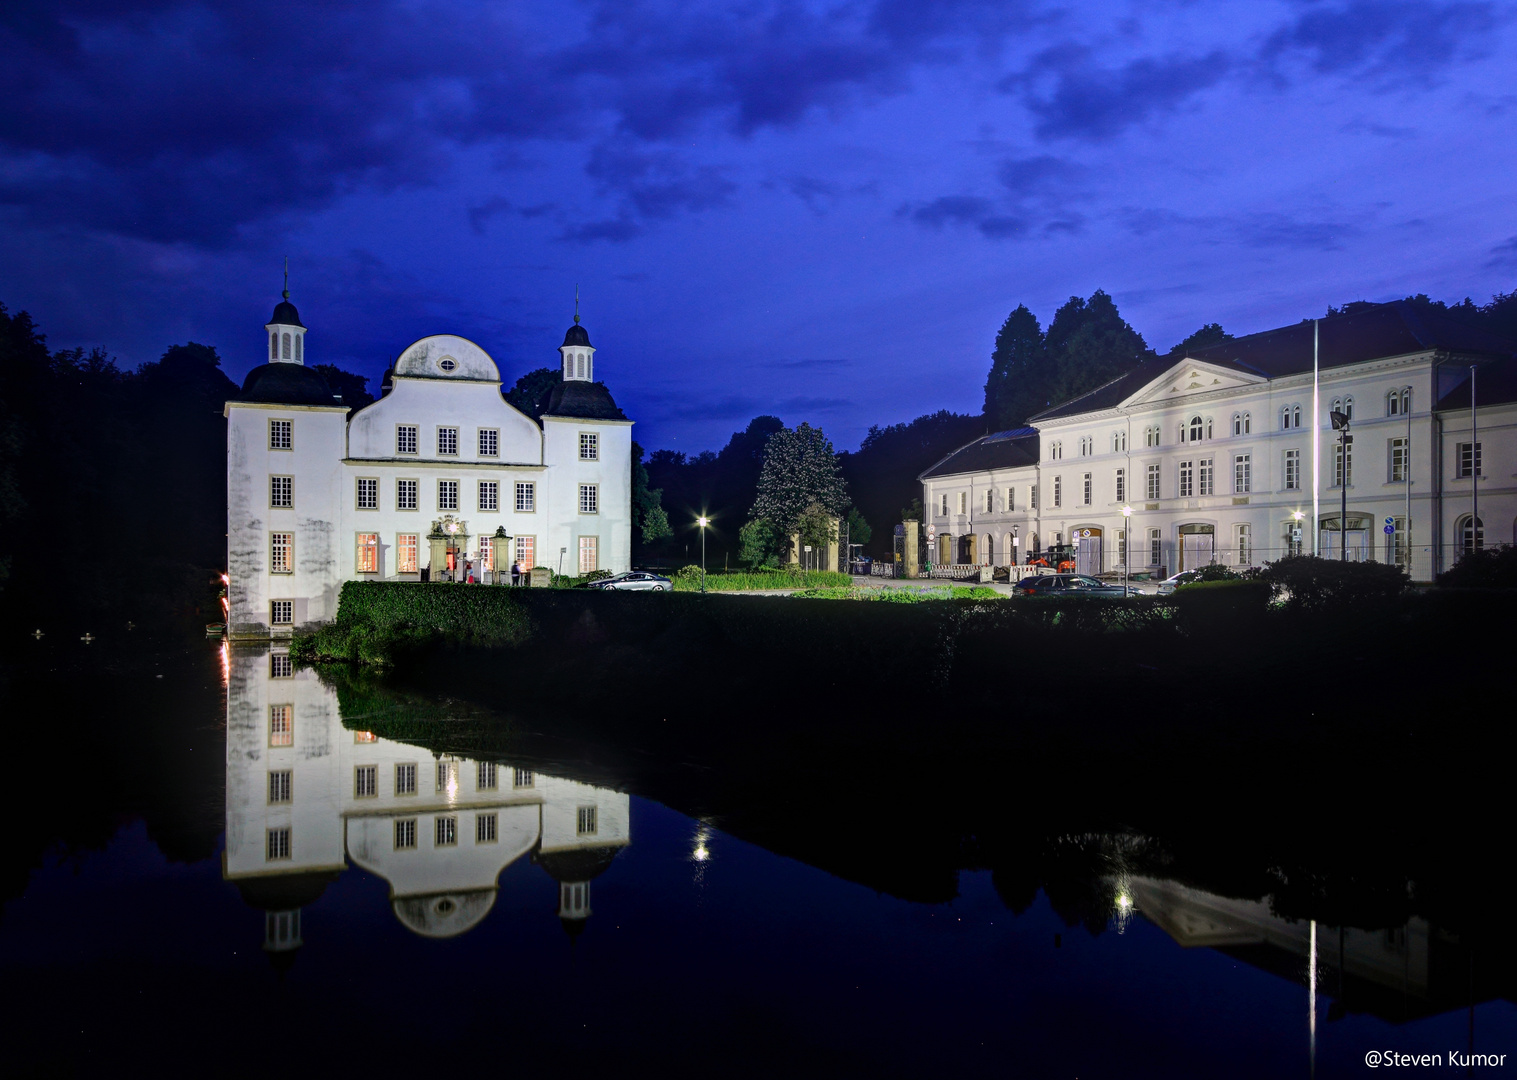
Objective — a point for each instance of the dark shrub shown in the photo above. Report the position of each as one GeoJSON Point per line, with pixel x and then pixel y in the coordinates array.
{"type": "Point", "coordinates": [1308, 583]}
{"type": "Point", "coordinates": [1215, 572]}
{"type": "Point", "coordinates": [1204, 606]}
{"type": "Point", "coordinates": [1488, 568]}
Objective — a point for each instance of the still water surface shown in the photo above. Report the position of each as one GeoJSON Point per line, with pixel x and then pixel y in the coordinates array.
{"type": "Point", "coordinates": [372, 906]}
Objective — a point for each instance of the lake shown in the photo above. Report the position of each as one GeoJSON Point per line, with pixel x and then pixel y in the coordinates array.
{"type": "Point", "coordinates": [235, 866]}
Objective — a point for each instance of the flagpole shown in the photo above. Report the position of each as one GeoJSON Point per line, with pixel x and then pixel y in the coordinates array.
{"type": "Point", "coordinates": [1316, 444]}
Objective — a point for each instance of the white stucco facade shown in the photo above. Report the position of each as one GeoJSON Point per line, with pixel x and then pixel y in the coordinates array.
{"type": "Point", "coordinates": [1216, 461]}
{"type": "Point", "coordinates": [316, 498]}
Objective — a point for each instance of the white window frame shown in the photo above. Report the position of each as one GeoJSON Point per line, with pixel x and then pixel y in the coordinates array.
{"type": "Point", "coordinates": [1058, 492]}
{"type": "Point", "coordinates": [405, 834]}
{"type": "Point", "coordinates": [1155, 547]}
{"type": "Point", "coordinates": [1088, 489]}
{"type": "Point", "coordinates": [407, 434]}
{"type": "Point", "coordinates": [405, 779]}
{"type": "Point", "coordinates": [281, 435]}
{"type": "Point", "coordinates": [587, 821]}
{"type": "Point", "coordinates": [1291, 469]}
{"type": "Point", "coordinates": [281, 495]}
{"type": "Point", "coordinates": [447, 436]}
{"type": "Point", "coordinates": [489, 442]}
{"type": "Point", "coordinates": [281, 542]}
{"type": "Point", "coordinates": [1151, 482]}
{"type": "Point", "coordinates": [526, 497]}
{"type": "Point", "coordinates": [407, 543]}
{"type": "Point", "coordinates": [1243, 474]}
{"type": "Point", "coordinates": [281, 723]}
{"type": "Point", "coordinates": [1186, 474]}
{"type": "Point", "coordinates": [366, 493]}
{"type": "Point", "coordinates": [1462, 463]}
{"type": "Point", "coordinates": [486, 828]}
{"type": "Point", "coordinates": [281, 789]}
{"type": "Point", "coordinates": [589, 498]}
{"type": "Point", "coordinates": [281, 613]}
{"type": "Point", "coordinates": [1398, 459]}
{"type": "Point", "coordinates": [365, 781]}
{"type": "Point", "coordinates": [487, 494]}
{"type": "Point", "coordinates": [445, 831]}
{"type": "Point", "coordinates": [589, 554]}
{"type": "Point", "coordinates": [527, 544]}
{"type": "Point", "coordinates": [451, 502]}
{"type": "Point", "coordinates": [413, 490]}
{"type": "Point", "coordinates": [277, 843]}
{"type": "Point", "coordinates": [1121, 485]}
{"type": "Point", "coordinates": [1206, 477]}
{"type": "Point", "coordinates": [589, 446]}
{"type": "Point", "coordinates": [366, 553]}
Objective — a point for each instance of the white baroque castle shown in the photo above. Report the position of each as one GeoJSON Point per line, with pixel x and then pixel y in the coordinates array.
{"type": "Point", "coordinates": [1213, 454]}
{"type": "Point", "coordinates": [440, 476]}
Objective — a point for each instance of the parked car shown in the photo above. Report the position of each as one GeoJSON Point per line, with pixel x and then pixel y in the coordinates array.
{"type": "Point", "coordinates": [1070, 585]}
{"type": "Point", "coordinates": [635, 579]}
{"type": "Point", "coordinates": [1184, 577]}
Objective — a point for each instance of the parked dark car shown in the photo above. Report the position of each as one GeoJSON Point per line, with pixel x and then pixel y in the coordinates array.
{"type": "Point", "coordinates": [1070, 585]}
{"type": "Point", "coordinates": [633, 580]}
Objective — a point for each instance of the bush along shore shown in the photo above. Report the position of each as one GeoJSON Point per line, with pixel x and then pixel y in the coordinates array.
{"type": "Point", "coordinates": [688, 579]}
{"type": "Point", "coordinates": [381, 623]}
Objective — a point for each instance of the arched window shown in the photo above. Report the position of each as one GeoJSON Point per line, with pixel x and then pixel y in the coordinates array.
{"type": "Point", "coordinates": [1237, 423]}
{"type": "Point", "coordinates": [1470, 539]}
{"type": "Point", "coordinates": [1248, 424]}
{"type": "Point", "coordinates": [1393, 403]}
{"type": "Point", "coordinates": [299, 347]}
{"type": "Point", "coordinates": [1151, 435]}
{"type": "Point", "coordinates": [1055, 451]}
{"type": "Point", "coordinates": [1296, 416]}
{"type": "Point", "coordinates": [1195, 429]}
{"type": "Point", "coordinates": [1348, 407]}
{"type": "Point", "coordinates": [1285, 417]}
{"type": "Point", "coordinates": [285, 347]}
{"type": "Point", "coordinates": [580, 366]}
{"type": "Point", "coordinates": [1208, 427]}
{"type": "Point", "coordinates": [274, 345]}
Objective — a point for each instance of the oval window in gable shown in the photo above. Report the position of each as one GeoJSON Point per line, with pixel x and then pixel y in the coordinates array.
{"type": "Point", "coordinates": [448, 364]}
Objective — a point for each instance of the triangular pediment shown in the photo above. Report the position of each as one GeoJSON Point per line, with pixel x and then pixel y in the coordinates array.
{"type": "Point", "coordinates": [1190, 378]}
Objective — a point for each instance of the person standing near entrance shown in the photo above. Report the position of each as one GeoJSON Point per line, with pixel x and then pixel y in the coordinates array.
{"type": "Point", "coordinates": [468, 571]}
{"type": "Point", "coordinates": [516, 572]}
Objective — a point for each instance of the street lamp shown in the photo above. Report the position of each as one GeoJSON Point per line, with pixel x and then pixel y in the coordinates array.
{"type": "Point", "coordinates": [1345, 440]}
{"type": "Point", "coordinates": [703, 522]}
{"type": "Point", "coordinates": [1298, 516]}
{"type": "Point", "coordinates": [1126, 544]}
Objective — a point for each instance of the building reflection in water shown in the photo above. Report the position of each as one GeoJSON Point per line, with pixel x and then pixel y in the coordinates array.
{"type": "Point", "coordinates": [305, 797]}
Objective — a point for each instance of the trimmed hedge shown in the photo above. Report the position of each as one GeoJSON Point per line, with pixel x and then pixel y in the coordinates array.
{"type": "Point", "coordinates": [1308, 583]}
{"type": "Point", "coordinates": [378, 621]}
{"type": "Point", "coordinates": [739, 581]}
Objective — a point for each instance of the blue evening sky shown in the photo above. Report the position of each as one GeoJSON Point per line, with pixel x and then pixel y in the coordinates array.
{"type": "Point", "coordinates": [819, 210]}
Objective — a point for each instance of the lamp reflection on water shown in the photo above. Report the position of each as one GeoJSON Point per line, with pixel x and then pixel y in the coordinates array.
{"type": "Point", "coordinates": [1311, 997]}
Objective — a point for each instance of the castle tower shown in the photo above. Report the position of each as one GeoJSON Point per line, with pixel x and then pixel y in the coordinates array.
{"type": "Point", "coordinates": [578, 354]}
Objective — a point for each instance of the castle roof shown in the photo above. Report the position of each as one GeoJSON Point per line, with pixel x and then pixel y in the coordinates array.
{"type": "Point", "coordinates": [287, 384]}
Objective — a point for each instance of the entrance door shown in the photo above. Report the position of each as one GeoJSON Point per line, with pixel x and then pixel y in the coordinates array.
{"type": "Point", "coordinates": [1088, 555]}
{"type": "Point", "coordinates": [1196, 549]}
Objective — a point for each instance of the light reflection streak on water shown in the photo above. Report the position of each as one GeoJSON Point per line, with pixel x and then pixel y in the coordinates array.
{"type": "Point", "coordinates": [1311, 997]}
{"type": "Point", "coordinates": [700, 854]}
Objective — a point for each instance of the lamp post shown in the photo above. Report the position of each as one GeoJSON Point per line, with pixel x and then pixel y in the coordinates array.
{"type": "Point", "coordinates": [703, 522]}
{"type": "Point", "coordinates": [1126, 544]}
{"type": "Point", "coordinates": [1340, 425]}
{"type": "Point", "coordinates": [1298, 517]}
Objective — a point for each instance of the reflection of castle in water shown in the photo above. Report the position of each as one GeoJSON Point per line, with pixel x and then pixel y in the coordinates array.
{"type": "Point", "coordinates": [304, 795]}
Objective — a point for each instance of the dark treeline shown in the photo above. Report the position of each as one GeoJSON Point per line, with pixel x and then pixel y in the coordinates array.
{"type": "Point", "coordinates": [1085, 345]}
{"type": "Point", "coordinates": [113, 482]}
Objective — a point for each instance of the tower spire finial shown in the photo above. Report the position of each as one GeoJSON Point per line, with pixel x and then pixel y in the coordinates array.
{"type": "Point", "coordinates": [286, 293]}
{"type": "Point", "coordinates": [576, 304]}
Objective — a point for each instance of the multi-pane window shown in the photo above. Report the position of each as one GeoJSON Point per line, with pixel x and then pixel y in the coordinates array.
{"type": "Point", "coordinates": [367, 560]}
{"type": "Point", "coordinates": [1400, 459]}
{"type": "Point", "coordinates": [526, 549]}
{"type": "Point", "coordinates": [405, 834]}
{"type": "Point", "coordinates": [1400, 553]}
{"type": "Point", "coordinates": [281, 553]}
{"type": "Point", "coordinates": [1187, 479]}
{"type": "Point", "coordinates": [489, 494]}
{"type": "Point", "coordinates": [281, 434]}
{"type": "Point", "coordinates": [1055, 451]}
{"type": "Point", "coordinates": [990, 501]}
{"type": "Point", "coordinates": [447, 494]}
{"type": "Point", "coordinates": [589, 498]}
{"type": "Point", "coordinates": [486, 776]}
{"type": "Point", "coordinates": [589, 446]}
{"type": "Point", "coordinates": [282, 725]}
{"type": "Point", "coordinates": [1468, 460]}
{"type": "Point", "coordinates": [589, 558]}
{"type": "Point", "coordinates": [1151, 483]}
{"type": "Point", "coordinates": [277, 844]}
{"type": "Point", "coordinates": [279, 785]}
{"type": "Point", "coordinates": [1058, 492]}
{"type": "Point", "coordinates": [1197, 429]}
{"type": "Point", "coordinates": [1118, 442]}
{"type": "Point", "coordinates": [1343, 463]}
{"type": "Point", "coordinates": [1032, 496]}
{"type": "Point", "coordinates": [281, 491]}
{"type": "Point", "coordinates": [1205, 474]}
{"type": "Point", "coordinates": [1398, 402]}
{"type": "Point", "coordinates": [489, 442]}
{"type": "Point", "coordinates": [447, 777]}
{"type": "Point", "coordinates": [1242, 424]}
{"type": "Point", "coordinates": [521, 778]}
{"type": "Point", "coordinates": [487, 553]}
{"type": "Point", "coordinates": [405, 494]}
{"type": "Point", "coordinates": [526, 498]}
{"type": "Point", "coordinates": [1471, 534]}
{"type": "Point", "coordinates": [368, 493]}
{"type": "Point", "coordinates": [963, 502]}
{"type": "Point", "coordinates": [1243, 474]}
{"type": "Point", "coordinates": [281, 666]}
{"type": "Point", "coordinates": [447, 442]}
{"type": "Point", "coordinates": [1011, 499]}
{"type": "Point", "coordinates": [1151, 435]}
{"type": "Point", "coordinates": [406, 545]}
{"type": "Point", "coordinates": [282, 612]}
{"type": "Point", "coordinates": [1087, 490]}
{"type": "Point", "coordinates": [1121, 485]}
{"type": "Point", "coordinates": [1153, 547]}
{"type": "Point", "coordinates": [1122, 546]}
{"type": "Point", "coordinates": [447, 831]}
{"type": "Point", "coordinates": [1293, 470]}
{"type": "Point", "coordinates": [485, 827]}
{"type": "Point", "coordinates": [365, 781]}
{"type": "Point", "coordinates": [405, 438]}
{"type": "Point", "coordinates": [405, 779]}
{"type": "Point", "coordinates": [944, 511]}
{"type": "Point", "coordinates": [586, 824]}
{"type": "Point", "coordinates": [1241, 544]}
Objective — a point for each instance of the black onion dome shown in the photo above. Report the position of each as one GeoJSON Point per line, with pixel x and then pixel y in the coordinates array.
{"type": "Point", "coordinates": [287, 384]}
{"type": "Point", "coordinates": [286, 892]}
{"type": "Point", "coordinates": [581, 864]}
{"type": "Point", "coordinates": [285, 314]}
{"type": "Point", "coordinates": [577, 335]}
{"type": "Point", "coordinates": [575, 397]}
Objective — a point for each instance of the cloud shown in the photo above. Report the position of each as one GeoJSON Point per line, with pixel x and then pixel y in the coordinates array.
{"type": "Point", "coordinates": [1503, 255]}
{"type": "Point", "coordinates": [616, 230]}
{"type": "Point", "coordinates": [480, 215]}
{"type": "Point", "coordinates": [1074, 97]}
{"type": "Point", "coordinates": [657, 184]}
{"type": "Point", "coordinates": [1391, 40]}
{"type": "Point", "coordinates": [973, 210]}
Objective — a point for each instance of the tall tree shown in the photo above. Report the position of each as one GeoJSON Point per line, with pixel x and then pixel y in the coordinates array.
{"type": "Point", "coordinates": [353, 388]}
{"type": "Point", "coordinates": [531, 387]}
{"type": "Point", "coordinates": [648, 515]}
{"type": "Point", "coordinates": [1017, 385]}
{"type": "Point", "coordinates": [800, 470]}
{"type": "Point", "coordinates": [1089, 344]}
{"type": "Point", "coordinates": [1210, 334]}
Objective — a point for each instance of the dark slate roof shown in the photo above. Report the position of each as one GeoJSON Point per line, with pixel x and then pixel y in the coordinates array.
{"type": "Point", "coordinates": [584, 864]}
{"type": "Point", "coordinates": [1495, 384]}
{"type": "Point", "coordinates": [577, 335]}
{"type": "Point", "coordinates": [1370, 332]}
{"type": "Point", "coordinates": [998, 450]}
{"type": "Point", "coordinates": [284, 312]}
{"type": "Point", "coordinates": [286, 892]}
{"type": "Point", "coordinates": [575, 397]}
{"type": "Point", "coordinates": [287, 384]}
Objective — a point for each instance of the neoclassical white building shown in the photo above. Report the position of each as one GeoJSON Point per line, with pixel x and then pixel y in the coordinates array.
{"type": "Point", "coordinates": [306, 797]}
{"type": "Point", "coordinates": [439, 473]}
{"type": "Point", "coordinates": [1214, 455]}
